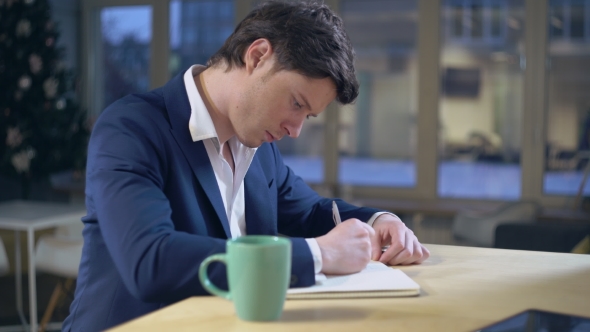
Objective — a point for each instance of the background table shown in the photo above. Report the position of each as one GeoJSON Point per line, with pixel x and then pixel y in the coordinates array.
{"type": "Point", "coordinates": [32, 216]}
{"type": "Point", "coordinates": [463, 289]}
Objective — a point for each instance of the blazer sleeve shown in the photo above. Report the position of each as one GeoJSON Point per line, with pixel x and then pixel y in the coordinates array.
{"type": "Point", "coordinates": [301, 211]}
{"type": "Point", "coordinates": [126, 174]}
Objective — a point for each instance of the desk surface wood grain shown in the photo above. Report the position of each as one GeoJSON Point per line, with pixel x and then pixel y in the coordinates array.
{"type": "Point", "coordinates": [463, 289]}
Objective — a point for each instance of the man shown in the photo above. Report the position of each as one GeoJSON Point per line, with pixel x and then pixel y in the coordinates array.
{"type": "Point", "coordinates": [173, 173]}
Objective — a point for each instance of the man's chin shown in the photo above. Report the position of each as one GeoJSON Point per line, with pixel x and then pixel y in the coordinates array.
{"type": "Point", "coordinates": [254, 146]}
{"type": "Point", "coordinates": [250, 143]}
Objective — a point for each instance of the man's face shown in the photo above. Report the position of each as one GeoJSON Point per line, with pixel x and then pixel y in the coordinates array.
{"type": "Point", "coordinates": [274, 104]}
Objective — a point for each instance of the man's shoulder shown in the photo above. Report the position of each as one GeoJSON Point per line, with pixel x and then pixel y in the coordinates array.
{"type": "Point", "coordinates": [138, 101]}
{"type": "Point", "coordinates": [138, 107]}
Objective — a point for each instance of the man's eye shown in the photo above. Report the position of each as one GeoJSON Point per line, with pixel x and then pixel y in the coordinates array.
{"type": "Point", "coordinates": [297, 104]}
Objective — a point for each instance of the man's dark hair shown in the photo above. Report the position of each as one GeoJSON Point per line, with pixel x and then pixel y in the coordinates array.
{"type": "Point", "coordinates": [306, 37]}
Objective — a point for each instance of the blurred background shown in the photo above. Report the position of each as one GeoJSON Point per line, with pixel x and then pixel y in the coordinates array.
{"type": "Point", "coordinates": [470, 111]}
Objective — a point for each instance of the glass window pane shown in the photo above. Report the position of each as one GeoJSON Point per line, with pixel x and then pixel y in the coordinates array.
{"type": "Point", "coordinates": [457, 21]}
{"type": "Point", "coordinates": [496, 18]}
{"type": "Point", "coordinates": [568, 113]}
{"type": "Point", "coordinates": [305, 154]}
{"type": "Point", "coordinates": [480, 112]}
{"type": "Point", "coordinates": [577, 19]}
{"type": "Point", "coordinates": [125, 55]}
{"type": "Point", "coordinates": [198, 29]}
{"type": "Point", "coordinates": [377, 135]}
{"type": "Point", "coordinates": [476, 21]}
{"type": "Point", "coordinates": [556, 19]}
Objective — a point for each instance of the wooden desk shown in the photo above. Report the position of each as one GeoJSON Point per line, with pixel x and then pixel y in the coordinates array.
{"type": "Point", "coordinates": [463, 289]}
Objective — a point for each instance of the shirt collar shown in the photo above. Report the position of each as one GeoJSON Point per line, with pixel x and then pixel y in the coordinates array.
{"type": "Point", "coordinates": [200, 124]}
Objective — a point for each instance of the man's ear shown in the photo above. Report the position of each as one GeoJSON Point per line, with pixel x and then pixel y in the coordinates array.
{"type": "Point", "coordinates": [257, 54]}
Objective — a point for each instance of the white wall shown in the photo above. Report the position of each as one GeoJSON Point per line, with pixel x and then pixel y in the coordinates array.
{"type": "Point", "coordinates": [562, 126]}
{"type": "Point", "coordinates": [461, 116]}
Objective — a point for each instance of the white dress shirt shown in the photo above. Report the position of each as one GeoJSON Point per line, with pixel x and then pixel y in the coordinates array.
{"type": "Point", "coordinates": [231, 184]}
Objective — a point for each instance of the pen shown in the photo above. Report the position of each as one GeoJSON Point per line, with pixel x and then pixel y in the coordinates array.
{"type": "Point", "coordinates": [335, 214]}
{"type": "Point", "coordinates": [337, 220]}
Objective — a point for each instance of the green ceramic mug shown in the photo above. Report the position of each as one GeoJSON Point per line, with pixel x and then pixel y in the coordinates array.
{"type": "Point", "coordinates": [258, 273]}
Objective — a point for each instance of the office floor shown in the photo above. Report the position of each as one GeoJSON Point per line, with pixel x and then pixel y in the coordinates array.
{"type": "Point", "coordinates": [45, 286]}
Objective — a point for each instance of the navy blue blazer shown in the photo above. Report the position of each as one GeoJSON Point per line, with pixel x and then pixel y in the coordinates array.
{"type": "Point", "coordinates": [155, 211]}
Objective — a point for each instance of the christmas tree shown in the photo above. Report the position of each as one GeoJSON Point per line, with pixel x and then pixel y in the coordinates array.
{"type": "Point", "coordinates": [42, 128]}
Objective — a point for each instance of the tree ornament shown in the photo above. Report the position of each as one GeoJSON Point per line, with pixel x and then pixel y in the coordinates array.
{"type": "Point", "coordinates": [49, 41]}
{"type": "Point", "coordinates": [24, 82]}
{"type": "Point", "coordinates": [50, 87]}
{"type": "Point", "coordinates": [22, 160]}
{"type": "Point", "coordinates": [35, 63]}
{"type": "Point", "coordinates": [23, 28]}
{"type": "Point", "coordinates": [60, 104]}
{"type": "Point", "coordinates": [14, 138]}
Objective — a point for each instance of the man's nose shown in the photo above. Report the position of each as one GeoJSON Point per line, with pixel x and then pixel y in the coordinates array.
{"type": "Point", "coordinates": [293, 129]}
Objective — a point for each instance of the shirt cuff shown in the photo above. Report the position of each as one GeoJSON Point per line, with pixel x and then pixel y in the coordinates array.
{"type": "Point", "coordinates": [316, 254]}
{"type": "Point", "coordinates": [376, 215]}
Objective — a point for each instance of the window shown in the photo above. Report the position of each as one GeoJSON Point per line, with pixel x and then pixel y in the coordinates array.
{"type": "Point", "coordinates": [493, 138]}
{"type": "Point", "coordinates": [377, 134]}
{"type": "Point", "coordinates": [198, 29]}
{"type": "Point", "coordinates": [480, 108]}
{"type": "Point", "coordinates": [567, 151]}
{"type": "Point", "coordinates": [476, 21]}
{"type": "Point", "coordinates": [125, 52]}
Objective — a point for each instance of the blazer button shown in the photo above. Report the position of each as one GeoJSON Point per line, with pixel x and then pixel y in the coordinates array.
{"type": "Point", "coordinates": [294, 280]}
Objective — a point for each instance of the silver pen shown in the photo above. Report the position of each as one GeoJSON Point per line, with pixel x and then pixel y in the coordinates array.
{"type": "Point", "coordinates": [337, 220]}
{"type": "Point", "coordinates": [335, 214]}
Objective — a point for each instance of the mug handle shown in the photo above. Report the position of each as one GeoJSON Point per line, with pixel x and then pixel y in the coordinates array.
{"type": "Point", "coordinates": [207, 284]}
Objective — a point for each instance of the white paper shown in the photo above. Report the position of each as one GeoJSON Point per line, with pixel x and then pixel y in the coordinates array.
{"type": "Point", "coordinates": [375, 277]}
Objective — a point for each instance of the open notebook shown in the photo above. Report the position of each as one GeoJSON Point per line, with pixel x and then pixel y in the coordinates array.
{"type": "Point", "coordinates": [376, 280]}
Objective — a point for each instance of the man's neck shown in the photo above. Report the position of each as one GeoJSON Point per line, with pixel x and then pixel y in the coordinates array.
{"type": "Point", "coordinates": [209, 84]}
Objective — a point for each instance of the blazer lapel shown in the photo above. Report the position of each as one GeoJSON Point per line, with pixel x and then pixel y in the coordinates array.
{"type": "Point", "coordinates": [261, 214]}
{"type": "Point", "coordinates": [179, 110]}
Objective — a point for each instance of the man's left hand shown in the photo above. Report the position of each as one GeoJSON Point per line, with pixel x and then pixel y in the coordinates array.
{"type": "Point", "coordinates": [404, 247]}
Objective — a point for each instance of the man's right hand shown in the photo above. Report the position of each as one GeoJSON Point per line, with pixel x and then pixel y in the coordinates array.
{"type": "Point", "coordinates": [346, 248]}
